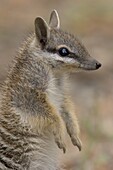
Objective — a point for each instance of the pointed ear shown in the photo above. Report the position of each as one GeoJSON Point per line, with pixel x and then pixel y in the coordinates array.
{"type": "Point", "coordinates": [54, 21]}
{"type": "Point", "coordinates": [41, 30]}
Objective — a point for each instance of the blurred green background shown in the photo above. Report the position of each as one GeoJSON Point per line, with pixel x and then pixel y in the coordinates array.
{"type": "Point", "coordinates": [92, 92]}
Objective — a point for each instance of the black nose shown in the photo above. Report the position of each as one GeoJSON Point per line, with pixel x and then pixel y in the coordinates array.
{"type": "Point", "coordinates": [98, 65]}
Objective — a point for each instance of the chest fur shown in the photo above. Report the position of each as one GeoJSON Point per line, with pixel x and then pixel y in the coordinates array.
{"type": "Point", "coordinates": [55, 93]}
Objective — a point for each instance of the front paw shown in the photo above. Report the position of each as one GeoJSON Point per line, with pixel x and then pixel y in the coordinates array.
{"type": "Point", "coordinates": [76, 141]}
{"type": "Point", "coordinates": [59, 135]}
{"type": "Point", "coordinates": [74, 137]}
{"type": "Point", "coordinates": [60, 142]}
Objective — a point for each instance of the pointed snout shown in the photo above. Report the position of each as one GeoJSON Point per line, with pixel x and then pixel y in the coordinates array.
{"type": "Point", "coordinates": [90, 64]}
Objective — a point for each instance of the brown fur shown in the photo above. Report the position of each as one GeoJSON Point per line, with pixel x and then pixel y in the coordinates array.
{"type": "Point", "coordinates": [35, 107]}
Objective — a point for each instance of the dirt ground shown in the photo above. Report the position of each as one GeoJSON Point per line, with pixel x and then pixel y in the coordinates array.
{"type": "Point", "coordinates": [92, 92]}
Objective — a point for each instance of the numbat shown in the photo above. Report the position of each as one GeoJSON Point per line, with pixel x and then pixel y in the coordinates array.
{"type": "Point", "coordinates": [36, 110]}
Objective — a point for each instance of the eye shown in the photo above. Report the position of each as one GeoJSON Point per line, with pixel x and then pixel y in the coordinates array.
{"type": "Point", "coordinates": [63, 51]}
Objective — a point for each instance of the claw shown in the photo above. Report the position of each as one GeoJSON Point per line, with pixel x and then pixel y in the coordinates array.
{"type": "Point", "coordinates": [64, 150]}
{"type": "Point", "coordinates": [61, 146]}
{"type": "Point", "coordinates": [77, 142]}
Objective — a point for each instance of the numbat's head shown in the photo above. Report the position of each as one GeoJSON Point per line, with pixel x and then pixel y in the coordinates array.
{"type": "Point", "coordinates": [63, 51]}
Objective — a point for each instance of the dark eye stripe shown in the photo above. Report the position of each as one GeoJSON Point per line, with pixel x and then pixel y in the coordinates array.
{"type": "Point", "coordinates": [70, 54]}
{"type": "Point", "coordinates": [51, 50]}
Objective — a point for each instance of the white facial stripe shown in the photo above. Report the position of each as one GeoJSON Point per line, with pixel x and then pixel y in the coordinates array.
{"type": "Point", "coordinates": [55, 56]}
{"type": "Point", "coordinates": [69, 60]}
{"type": "Point", "coordinates": [63, 59]}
